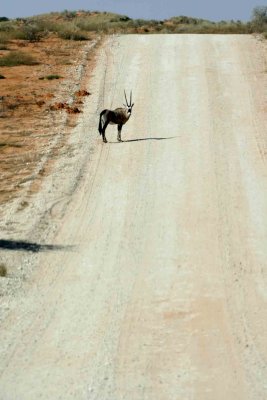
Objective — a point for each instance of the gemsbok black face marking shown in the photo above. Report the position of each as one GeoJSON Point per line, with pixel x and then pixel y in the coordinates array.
{"type": "Point", "coordinates": [119, 117]}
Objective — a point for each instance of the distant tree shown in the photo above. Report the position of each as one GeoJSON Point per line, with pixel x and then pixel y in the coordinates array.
{"type": "Point", "coordinates": [2, 19]}
{"type": "Point", "coordinates": [69, 14]}
{"type": "Point", "coordinates": [124, 18]}
{"type": "Point", "coordinates": [259, 16]}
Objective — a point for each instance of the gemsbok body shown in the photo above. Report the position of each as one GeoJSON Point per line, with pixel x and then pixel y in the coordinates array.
{"type": "Point", "coordinates": [119, 117]}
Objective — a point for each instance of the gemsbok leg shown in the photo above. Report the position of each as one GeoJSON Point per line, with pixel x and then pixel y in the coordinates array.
{"type": "Point", "coordinates": [103, 131]}
{"type": "Point", "coordinates": [119, 132]}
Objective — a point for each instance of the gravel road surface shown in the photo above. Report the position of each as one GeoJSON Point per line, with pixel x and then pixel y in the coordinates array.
{"type": "Point", "coordinates": [159, 291]}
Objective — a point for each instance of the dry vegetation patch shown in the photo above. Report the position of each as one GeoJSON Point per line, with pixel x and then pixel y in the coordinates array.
{"type": "Point", "coordinates": [27, 123]}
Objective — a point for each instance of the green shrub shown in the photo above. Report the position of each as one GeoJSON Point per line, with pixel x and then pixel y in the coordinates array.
{"type": "Point", "coordinates": [32, 33]}
{"type": "Point", "coordinates": [69, 14]}
{"type": "Point", "coordinates": [15, 58]}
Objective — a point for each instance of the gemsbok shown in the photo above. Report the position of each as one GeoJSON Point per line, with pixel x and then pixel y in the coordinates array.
{"type": "Point", "coordinates": [119, 117]}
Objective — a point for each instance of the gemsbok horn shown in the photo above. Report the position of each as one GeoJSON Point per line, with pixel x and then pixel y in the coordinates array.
{"type": "Point", "coordinates": [119, 117]}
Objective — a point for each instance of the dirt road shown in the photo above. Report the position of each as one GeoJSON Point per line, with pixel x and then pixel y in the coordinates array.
{"type": "Point", "coordinates": [164, 293]}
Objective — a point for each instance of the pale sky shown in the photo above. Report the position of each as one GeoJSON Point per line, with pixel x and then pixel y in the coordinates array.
{"type": "Point", "coordinates": [148, 9]}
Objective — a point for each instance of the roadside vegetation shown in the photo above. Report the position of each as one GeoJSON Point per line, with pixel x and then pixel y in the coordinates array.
{"type": "Point", "coordinates": [83, 25]}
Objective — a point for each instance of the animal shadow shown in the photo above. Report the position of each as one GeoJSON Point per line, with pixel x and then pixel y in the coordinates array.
{"type": "Point", "coordinates": [144, 139]}
{"type": "Point", "coordinates": [19, 245]}
{"type": "Point", "coordinates": [149, 138]}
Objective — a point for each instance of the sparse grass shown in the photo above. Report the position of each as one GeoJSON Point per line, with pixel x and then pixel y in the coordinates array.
{"type": "Point", "coordinates": [3, 47]}
{"type": "Point", "coordinates": [3, 270]}
{"type": "Point", "coordinates": [89, 26]}
{"type": "Point", "coordinates": [4, 37]}
{"type": "Point", "coordinates": [15, 58]}
{"type": "Point", "coordinates": [50, 77]}
{"type": "Point", "coordinates": [206, 27]}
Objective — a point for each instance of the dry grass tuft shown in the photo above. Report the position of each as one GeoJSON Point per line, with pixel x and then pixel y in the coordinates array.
{"type": "Point", "coordinates": [3, 270]}
{"type": "Point", "coordinates": [50, 77]}
{"type": "Point", "coordinates": [65, 106]}
{"type": "Point", "coordinates": [16, 58]}
{"type": "Point", "coordinates": [80, 93]}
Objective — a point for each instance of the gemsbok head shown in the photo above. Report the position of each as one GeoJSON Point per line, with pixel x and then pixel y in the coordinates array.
{"type": "Point", "coordinates": [119, 117]}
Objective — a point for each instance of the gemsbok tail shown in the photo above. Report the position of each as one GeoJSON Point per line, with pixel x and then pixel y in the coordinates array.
{"type": "Point", "coordinates": [100, 128]}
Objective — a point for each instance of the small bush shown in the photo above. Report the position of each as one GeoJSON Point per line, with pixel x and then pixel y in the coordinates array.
{"type": "Point", "coordinates": [50, 77]}
{"type": "Point", "coordinates": [15, 58]}
{"type": "Point", "coordinates": [69, 14]}
{"type": "Point", "coordinates": [32, 33]}
{"type": "Point", "coordinates": [3, 270]}
{"type": "Point", "coordinates": [139, 22]}
{"type": "Point", "coordinates": [2, 77]}
{"type": "Point", "coordinates": [72, 35]}
{"type": "Point", "coordinates": [123, 18]}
